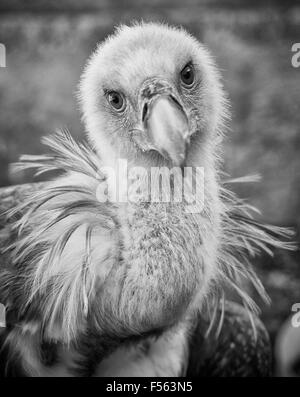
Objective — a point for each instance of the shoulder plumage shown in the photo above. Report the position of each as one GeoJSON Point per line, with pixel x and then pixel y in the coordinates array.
{"type": "Point", "coordinates": [67, 239]}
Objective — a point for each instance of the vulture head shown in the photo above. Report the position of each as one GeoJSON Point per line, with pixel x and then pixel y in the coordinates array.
{"type": "Point", "coordinates": [151, 94]}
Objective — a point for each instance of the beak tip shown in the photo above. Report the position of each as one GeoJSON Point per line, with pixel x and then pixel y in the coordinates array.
{"type": "Point", "coordinates": [178, 160]}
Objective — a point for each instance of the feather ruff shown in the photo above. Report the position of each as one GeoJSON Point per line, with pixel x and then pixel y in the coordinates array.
{"type": "Point", "coordinates": [71, 209]}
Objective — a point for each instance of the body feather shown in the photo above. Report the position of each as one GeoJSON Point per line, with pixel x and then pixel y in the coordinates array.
{"type": "Point", "coordinates": [73, 233]}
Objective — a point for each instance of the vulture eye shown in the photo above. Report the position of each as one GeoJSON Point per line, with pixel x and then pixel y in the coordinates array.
{"type": "Point", "coordinates": [116, 100]}
{"type": "Point", "coordinates": [187, 75]}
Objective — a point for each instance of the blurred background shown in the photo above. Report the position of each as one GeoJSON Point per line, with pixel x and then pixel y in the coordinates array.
{"type": "Point", "coordinates": [47, 44]}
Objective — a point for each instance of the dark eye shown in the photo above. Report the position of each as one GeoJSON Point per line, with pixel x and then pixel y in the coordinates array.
{"type": "Point", "coordinates": [116, 100]}
{"type": "Point", "coordinates": [187, 75]}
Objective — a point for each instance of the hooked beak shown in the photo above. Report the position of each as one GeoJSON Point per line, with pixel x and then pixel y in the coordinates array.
{"type": "Point", "coordinates": [166, 125]}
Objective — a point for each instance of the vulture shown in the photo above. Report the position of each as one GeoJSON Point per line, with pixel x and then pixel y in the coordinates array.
{"type": "Point", "coordinates": [103, 280]}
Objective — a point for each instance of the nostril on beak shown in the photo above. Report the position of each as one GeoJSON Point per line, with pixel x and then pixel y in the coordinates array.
{"type": "Point", "coordinates": [145, 111]}
{"type": "Point", "coordinates": [176, 102]}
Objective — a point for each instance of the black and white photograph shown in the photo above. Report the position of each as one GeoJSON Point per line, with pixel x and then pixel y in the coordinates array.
{"type": "Point", "coordinates": [149, 191]}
